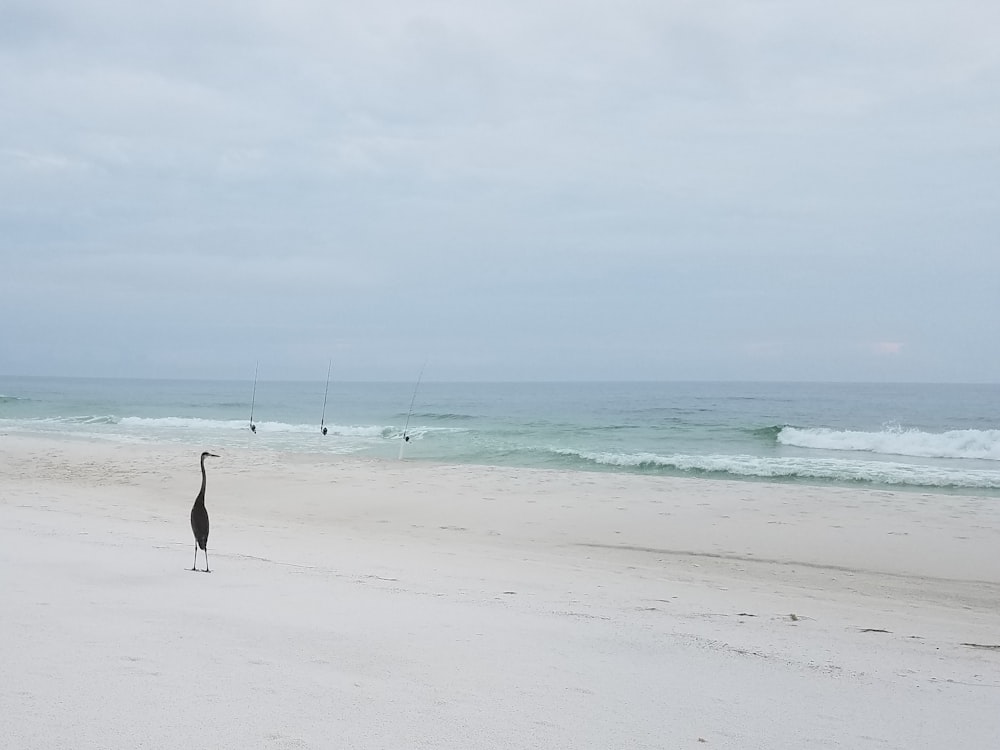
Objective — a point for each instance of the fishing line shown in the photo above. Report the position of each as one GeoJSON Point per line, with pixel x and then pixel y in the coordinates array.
{"type": "Point", "coordinates": [406, 438]}
{"type": "Point", "coordinates": [253, 397]}
{"type": "Point", "coordinates": [325, 394]}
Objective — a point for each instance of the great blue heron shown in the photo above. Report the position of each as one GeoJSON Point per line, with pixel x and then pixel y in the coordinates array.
{"type": "Point", "coordinates": [199, 518]}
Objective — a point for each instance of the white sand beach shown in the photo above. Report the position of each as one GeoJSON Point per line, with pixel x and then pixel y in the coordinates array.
{"type": "Point", "coordinates": [384, 604]}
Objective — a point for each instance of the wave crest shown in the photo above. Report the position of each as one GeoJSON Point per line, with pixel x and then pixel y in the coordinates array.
{"type": "Point", "coordinates": [80, 420]}
{"type": "Point", "coordinates": [759, 467]}
{"type": "Point", "coordinates": [976, 444]}
{"type": "Point", "coordinates": [443, 416]}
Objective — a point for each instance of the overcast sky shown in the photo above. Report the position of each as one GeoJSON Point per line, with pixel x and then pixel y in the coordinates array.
{"type": "Point", "coordinates": [544, 190]}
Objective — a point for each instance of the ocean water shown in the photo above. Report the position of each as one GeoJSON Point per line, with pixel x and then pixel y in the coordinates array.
{"type": "Point", "coordinates": [921, 437]}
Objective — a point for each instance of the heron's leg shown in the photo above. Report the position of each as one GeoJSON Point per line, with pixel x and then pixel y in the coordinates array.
{"type": "Point", "coordinates": [206, 560]}
{"type": "Point", "coordinates": [194, 565]}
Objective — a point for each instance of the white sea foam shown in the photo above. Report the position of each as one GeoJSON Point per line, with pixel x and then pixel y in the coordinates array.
{"type": "Point", "coordinates": [194, 423]}
{"type": "Point", "coordinates": [978, 444]}
{"type": "Point", "coordinates": [764, 467]}
{"type": "Point", "coordinates": [284, 435]}
{"type": "Point", "coordinates": [184, 423]}
{"type": "Point", "coordinates": [90, 419]}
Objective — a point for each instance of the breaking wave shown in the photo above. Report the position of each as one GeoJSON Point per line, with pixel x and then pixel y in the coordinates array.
{"type": "Point", "coordinates": [443, 417]}
{"type": "Point", "coordinates": [976, 444]}
{"type": "Point", "coordinates": [790, 468]}
{"type": "Point", "coordinates": [92, 419]}
{"type": "Point", "coordinates": [263, 427]}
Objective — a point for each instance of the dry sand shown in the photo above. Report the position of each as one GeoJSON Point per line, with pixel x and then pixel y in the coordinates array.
{"type": "Point", "coordinates": [382, 604]}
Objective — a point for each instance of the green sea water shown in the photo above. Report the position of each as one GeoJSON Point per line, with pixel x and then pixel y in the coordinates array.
{"type": "Point", "coordinates": [941, 437]}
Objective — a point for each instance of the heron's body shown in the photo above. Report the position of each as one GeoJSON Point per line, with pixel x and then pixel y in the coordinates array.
{"type": "Point", "coordinates": [199, 518]}
{"type": "Point", "coordinates": [199, 522]}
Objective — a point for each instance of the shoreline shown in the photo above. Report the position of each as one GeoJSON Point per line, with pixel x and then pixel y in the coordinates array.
{"type": "Point", "coordinates": [673, 507]}
{"type": "Point", "coordinates": [389, 457]}
{"type": "Point", "coordinates": [817, 596]}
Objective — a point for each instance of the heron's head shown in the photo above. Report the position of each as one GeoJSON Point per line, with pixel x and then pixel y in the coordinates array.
{"type": "Point", "coordinates": [207, 454]}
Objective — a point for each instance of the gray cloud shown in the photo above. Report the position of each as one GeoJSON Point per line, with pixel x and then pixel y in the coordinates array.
{"type": "Point", "coordinates": [770, 190]}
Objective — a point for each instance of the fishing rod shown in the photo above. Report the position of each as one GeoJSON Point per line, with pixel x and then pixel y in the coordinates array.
{"type": "Point", "coordinates": [253, 397]}
{"type": "Point", "coordinates": [325, 394]}
{"type": "Point", "coordinates": [406, 438]}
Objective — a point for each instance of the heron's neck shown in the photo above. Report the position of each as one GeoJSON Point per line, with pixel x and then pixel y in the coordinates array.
{"type": "Point", "coordinates": [201, 494]}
